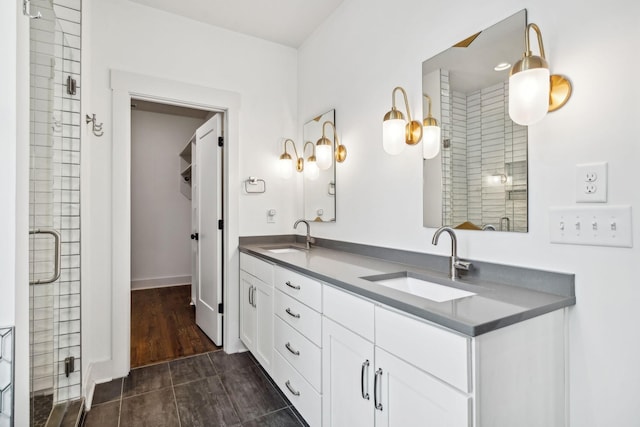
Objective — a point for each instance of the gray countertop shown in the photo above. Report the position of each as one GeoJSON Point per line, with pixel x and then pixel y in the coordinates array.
{"type": "Point", "coordinates": [527, 293]}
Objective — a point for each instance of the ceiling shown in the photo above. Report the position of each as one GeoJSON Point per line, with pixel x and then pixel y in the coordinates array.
{"type": "Point", "coordinates": [287, 22]}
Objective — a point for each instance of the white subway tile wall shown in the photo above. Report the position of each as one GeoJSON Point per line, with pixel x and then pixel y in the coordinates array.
{"type": "Point", "coordinates": [486, 147]}
{"type": "Point", "coordinates": [55, 196]}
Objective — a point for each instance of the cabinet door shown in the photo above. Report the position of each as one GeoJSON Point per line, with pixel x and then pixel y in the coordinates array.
{"type": "Point", "coordinates": [263, 302]}
{"type": "Point", "coordinates": [407, 397]}
{"type": "Point", "coordinates": [247, 311]}
{"type": "Point", "coordinates": [347, 375]}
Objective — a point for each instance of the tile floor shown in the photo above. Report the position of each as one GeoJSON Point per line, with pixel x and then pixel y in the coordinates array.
{"type": "Point", "coordinates": [211, 389]}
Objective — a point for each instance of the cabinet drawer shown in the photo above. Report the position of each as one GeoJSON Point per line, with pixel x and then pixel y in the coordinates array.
{"type": "Point", "coordinates": [301, 353]}
{"type": "Point", "coordinates": [433, 349]}
{"type": "Point", "coordinates": [349, 310]}
{"type": "Point", "coordinates": [303, 319]}
{"type": "Point", "coordinates": [256, 267]}
{"type": "Point", "coordinates": [301, 394]}
{"type": "Point", "coordinates": [303, 288]}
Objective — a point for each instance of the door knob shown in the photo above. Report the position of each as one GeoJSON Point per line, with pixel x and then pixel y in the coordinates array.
{"type": "Point", "coordinates": [194, 236]}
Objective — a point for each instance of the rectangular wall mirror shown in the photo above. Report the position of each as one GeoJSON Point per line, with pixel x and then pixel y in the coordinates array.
{"type": "Point", "coordinates": [319, 196]}
{"type": "Point", "coordinates": [479, 179]}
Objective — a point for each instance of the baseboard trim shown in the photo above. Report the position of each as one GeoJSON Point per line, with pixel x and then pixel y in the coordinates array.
{"type": "Point", "coordinates": [97, 373]}
{"type": "Point", "coordinates": [160, 282]}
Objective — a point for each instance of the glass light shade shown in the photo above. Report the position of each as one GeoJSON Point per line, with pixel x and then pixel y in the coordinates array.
{"type": "Point", "coordinates": [311, 170]}
{"type": "Point", "coordinates": [286, 167]}
{"type": "Point", "coordinates": [324, 156]}
{"type": "Point", "coordinates": [430, 141]}
{"type": "Point", "coordinates": [529, 95]}
{"type": "Point", "coordinates": [393, 136]}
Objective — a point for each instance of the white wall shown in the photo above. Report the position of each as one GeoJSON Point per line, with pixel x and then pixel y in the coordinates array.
{"type": "Point", "coordinates": [8, 162]}
{"type": "Point", "coordinates": [14, 193]}
{"type": "Point", "coordinates": [160, 213]}
{"type": "Point", "coordinates": [131, 37]}
{"type": "Point", "coordinates": [373, 46]}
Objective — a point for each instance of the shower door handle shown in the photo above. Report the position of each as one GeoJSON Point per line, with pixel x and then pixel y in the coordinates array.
{"type": "Point", "coordinates": [57, 255]}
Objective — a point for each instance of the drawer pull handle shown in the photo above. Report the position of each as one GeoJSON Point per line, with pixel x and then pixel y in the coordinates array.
{"type": "Point", "coordinates": [365, 367]}
{"type": "Point", "coordinates": [376, 403]}
{"type": "Point", "coordinates": [294, 392]}
{"type": "Point", "coordinates": [294, 352]}
{"type": "Point", "coordinates": [296, 287]}
{"type": "Point", "coordinates": [290, 313]}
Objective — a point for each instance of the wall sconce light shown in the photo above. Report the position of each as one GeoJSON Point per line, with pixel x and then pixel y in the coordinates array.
{"type": "Point", "coordinates": [532, 91]}
{"type": "Point", "coordinates": [286, 161]}
{"type": "Point", "coordinates": [311, 170]}
{"type": "Point", "coordinates": [430, 134]}
{"type": "Point", "coordinates": [324, 148]}
{"type": "Point", "coordinates": [396, 132]}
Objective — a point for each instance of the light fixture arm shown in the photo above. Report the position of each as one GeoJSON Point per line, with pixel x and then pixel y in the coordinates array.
{"type": "Point", "coordinates": [313, 148]}
{"type": "Point", "coordinates": [527, 44]}
{"type": "Point", "coordinates": [299, 160]}
{"type": "Point", "coordinates": [406, 101]}
{"type": "Point", "coordinates": [295, 151]}
{"type": "Point", "coordinates": [335, 135]}
{"type": "Point", "coordinates": [429, 102]}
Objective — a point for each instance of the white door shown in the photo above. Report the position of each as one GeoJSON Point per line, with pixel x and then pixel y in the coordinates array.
{"type": "Point", "coordinates": [209, 205]}
{"type": "Point", "coordinates": [409, 397]}
{"type": "Point", "coordinates": [347, 371]}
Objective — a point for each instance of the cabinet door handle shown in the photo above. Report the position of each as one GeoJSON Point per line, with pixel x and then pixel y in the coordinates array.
{"type": "Point", "coordinates": [296, 287]}
{"type": "Point", "coordinates": [294, 392]}
{"type": "Point", "coordinates": [294, 352]}
{"type": "Point", "coordinates": [253, 296]}
{"type": "Point", "coordinates": [377, 403]}
{"type": "Point", "coordinates": [290, 313]}
{"type": "Point", "coordinates": [365, 368]}
{"type": "Point", "coordinates": [250, 292]}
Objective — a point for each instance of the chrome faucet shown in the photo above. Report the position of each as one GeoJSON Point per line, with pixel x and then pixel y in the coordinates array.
{"type": "Point", "coordinates": [489, 227]}
{"type": "Point", "coordinates": [455, 264]}
{"type": "Point", "coordinates": [309, 239]}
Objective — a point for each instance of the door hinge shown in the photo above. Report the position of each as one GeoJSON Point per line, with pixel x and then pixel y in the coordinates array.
{"type": "Point", "coordinates": [220, 308]}
{"type": "Point", "coordinates": [220, 141]}
{"type": "Point", "coordinates": [220, 224]}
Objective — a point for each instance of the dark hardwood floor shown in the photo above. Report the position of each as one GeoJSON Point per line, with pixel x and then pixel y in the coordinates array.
{"type": "Point", "coordinates": [163, 326]}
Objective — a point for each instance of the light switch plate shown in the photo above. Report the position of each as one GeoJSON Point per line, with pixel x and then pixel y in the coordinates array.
{"type": "Point", "coordinates": [591, 225]}
{"type": "Point", "coordinates": [591, 183]}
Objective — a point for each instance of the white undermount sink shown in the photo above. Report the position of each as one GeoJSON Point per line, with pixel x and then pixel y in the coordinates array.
{"type": "Point", "coordinates": [283, 249]}
{"type": "Point", "coordinates": [405, 282]}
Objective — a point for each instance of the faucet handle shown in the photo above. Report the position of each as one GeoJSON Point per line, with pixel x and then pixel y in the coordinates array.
{"type": "Point", "coordinates": [312, 240]}
{"type": "Point", "coordinates": [462, 265]}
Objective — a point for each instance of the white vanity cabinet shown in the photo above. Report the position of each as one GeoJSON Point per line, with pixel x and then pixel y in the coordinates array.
{"type": "Point", "coordinates": [345, 360]}
{"type": "Point", "coordinates": [405, 371]}
{"type": "Point", "coordinates": [365, 385]}
{"type": "Point", "coordinates": [256, 308]}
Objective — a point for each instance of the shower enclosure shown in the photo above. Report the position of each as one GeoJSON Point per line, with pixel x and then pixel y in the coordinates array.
{"type": "Point", "coordinates": [54, 205]}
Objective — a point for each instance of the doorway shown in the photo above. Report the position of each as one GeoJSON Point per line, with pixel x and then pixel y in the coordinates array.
{"type": "Point", "coordinates": [176, 205]}
{"type": "Point", "coordinates": [125, 86]}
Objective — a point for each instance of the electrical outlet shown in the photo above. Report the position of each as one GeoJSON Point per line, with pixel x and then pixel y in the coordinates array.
{"type": "Point", "coordinates": [591, 183]}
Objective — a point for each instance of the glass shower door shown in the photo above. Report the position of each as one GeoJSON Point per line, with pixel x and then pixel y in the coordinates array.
{"type": "Point", "coordinates": [54, 205]}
